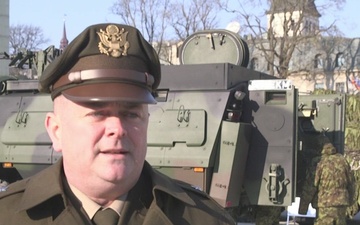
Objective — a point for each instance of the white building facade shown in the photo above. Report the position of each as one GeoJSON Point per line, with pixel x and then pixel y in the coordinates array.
{"type": "Point", "coordinates": [4, 36]}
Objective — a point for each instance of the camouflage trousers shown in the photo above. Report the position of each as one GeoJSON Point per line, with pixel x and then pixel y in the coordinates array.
{"type": "Point", "coordinates": [330, 216]}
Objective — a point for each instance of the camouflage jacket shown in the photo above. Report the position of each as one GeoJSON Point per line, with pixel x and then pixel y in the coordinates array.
{"type": "Point", "coordinates": [329, 181]}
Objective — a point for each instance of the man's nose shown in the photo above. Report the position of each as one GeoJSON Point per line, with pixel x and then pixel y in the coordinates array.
{"type": "Point", "coordinates": [115, 126]}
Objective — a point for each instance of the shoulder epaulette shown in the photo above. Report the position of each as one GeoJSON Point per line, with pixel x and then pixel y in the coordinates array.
{"type": "Point", "coordinates": [13, 188]}
{"type": "Point", "coordinates": [192, 188]}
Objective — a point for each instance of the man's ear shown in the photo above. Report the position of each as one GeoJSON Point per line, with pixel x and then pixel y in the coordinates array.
{"type": "Point", "coordinates": [52, 125]}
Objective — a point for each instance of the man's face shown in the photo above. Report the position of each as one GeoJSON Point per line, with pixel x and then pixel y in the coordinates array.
{"type": "Point", "coordinates": [102, 143]}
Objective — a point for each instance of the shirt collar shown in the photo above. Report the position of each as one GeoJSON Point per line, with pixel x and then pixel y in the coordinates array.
{"type": "Point", "coordinates": [91, 207]}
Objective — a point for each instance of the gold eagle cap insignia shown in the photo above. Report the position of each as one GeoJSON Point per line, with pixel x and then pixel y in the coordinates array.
{"type": "Point", "coordinates": [113, 41]}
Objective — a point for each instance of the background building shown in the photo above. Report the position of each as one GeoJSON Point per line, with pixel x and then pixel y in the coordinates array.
{"type": "Point", "coordinates": [4, 36]}
{"type": "Point", "coordinates": [318, 61]}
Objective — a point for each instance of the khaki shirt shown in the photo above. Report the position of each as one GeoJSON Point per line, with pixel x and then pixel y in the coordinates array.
{"type": "Point", "coordinates": [156, 199]}
{"type": "Point", "coordinates": [91, 207]}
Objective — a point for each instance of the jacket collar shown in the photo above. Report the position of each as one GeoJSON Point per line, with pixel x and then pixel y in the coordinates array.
{"type": "Point", "coordinates": [47, 184]}
{"type": "Point", "coordinates": [165, 184]}
{"type": "Point", "coordinates": [43, 186]}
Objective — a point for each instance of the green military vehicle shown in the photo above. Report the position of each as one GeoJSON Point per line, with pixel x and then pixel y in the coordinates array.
{"type": "Point", "coordinates": [240, 135]}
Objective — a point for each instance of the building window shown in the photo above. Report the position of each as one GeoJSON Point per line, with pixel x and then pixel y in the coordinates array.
{"type": "Point", "coordinates": [339, 60]}
{"type": "Point", "coordinates": [329, 63]}
{"type": "Point", "coordinates": [318, 62]}
{"type": "Point", "coordinates": [319, 86]}
{"type": "Point", "coordinates": [306, 27]}
{"type": "Point", "coordinates": [254, 64]}
{"type": "Point", "coordinates": [340, 87]}
{"type": "Point", "coordinates": [292, 24]}
{"type": "Point", "coordinates": [357, 61]}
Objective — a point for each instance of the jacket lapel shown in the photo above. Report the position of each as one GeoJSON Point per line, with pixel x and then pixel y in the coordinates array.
{"type": "Point", "coordinates": [156, 216]}
{"type": "Point", "coordinates": [70, 216]}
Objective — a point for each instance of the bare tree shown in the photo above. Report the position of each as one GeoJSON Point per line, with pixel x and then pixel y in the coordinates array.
{"type": "Point", "coordinates": [353, 65]}
{"type": "Point", "coordinates": [149, 16]}
{"type": "Point", "coordinates": [286, 27]}
{"type": "Point", "coordinates": [164, 22]}
{"type": "Point", "coordinates": [193, 15]}
{"type": "Point", "coordinates": [26, 37]}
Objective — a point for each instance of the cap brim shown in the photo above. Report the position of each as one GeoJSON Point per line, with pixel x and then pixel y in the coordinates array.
{"type": "Point", "coordinates": [109, 92]}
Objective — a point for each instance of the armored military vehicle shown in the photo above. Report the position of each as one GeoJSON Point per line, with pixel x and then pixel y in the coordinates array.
{"type": "Point", "coordinates": [240, 135]}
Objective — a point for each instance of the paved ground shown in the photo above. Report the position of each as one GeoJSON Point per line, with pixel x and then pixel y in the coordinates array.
{"type": "Point", "coordinates": [309, 218]}
{"type": "Point", "coordinates": [306, 221]}
{"type": "Point", "coordinates": [310, 221]}
{"type": "Point", "coordinates": [301, 221]}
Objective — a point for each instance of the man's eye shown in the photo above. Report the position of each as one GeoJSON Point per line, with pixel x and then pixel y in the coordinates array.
{"type": "Point", "coordinates": [131, 115]}
{"type": "Point", "coordinates": [124, 115]}
{"type": "Point", "coordinates": [97, 114]}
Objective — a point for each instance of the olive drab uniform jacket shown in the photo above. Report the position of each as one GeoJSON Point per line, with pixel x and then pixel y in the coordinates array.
{"type": "Point", "coordinates": [329, 181]}
{"type": "Point", "coordinates": [156, 199]}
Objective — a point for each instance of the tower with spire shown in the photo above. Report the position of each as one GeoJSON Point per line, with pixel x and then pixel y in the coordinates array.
{"type": "Point", "coordinates": [64, 41]}
{"type": "Point", "coordinates": [289, 12]}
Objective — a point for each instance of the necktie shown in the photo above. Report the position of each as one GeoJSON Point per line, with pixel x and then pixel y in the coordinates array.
{"type": "Point", "coordinates": [106, 217]}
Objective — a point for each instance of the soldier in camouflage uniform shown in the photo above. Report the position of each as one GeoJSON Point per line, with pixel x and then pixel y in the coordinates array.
{"type": "Point", "coordinates": [353, 158]}
{"type": "Point", "coordinates": [329, 187]}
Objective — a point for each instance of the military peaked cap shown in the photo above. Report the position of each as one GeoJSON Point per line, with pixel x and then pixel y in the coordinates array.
{"type": "Point", "coordinates": [106, 62]}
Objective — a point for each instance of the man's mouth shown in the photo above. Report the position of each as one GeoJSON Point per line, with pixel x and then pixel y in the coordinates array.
{"type": "Point", "coordinates": [114, 151]}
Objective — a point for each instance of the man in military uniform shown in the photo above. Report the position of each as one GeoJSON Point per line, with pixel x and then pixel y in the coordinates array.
{"type": "Point", "coordinates": [101, 87]}
{"type": "Point", "coordinates": [329, 186]}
